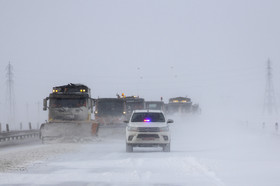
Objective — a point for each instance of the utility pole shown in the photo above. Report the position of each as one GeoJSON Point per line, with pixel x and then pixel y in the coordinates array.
{"type": "Point", "coordinates": [270, 106]}
{"type": "Point", "coordinates": [11, 97]}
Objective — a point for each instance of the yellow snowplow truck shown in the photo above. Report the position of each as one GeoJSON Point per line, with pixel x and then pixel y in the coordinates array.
{"type": "Point", "coordinates": [70, 108]}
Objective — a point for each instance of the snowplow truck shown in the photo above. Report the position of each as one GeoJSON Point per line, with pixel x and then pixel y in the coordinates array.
{"type": "Point", "coordinates": [133, 103]}
{"type": "Point", "coordinates": [179, 105]}
{"type": "Point", "coordinates": [110, 114]}
{"type": "Point", "coordinates": [110, 111]}
{"type": "Point", "coordinates": [70, 108]}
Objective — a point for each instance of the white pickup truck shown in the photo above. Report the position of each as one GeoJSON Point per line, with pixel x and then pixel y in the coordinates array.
{"type": "Point", "coordinates": [148, 128]}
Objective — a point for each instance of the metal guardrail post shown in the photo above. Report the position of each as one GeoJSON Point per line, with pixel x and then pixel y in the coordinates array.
{"type": "Point", "coordinates": [7, 127]}
{"type": "Point", "coordinates": [20, 125]}
{"type": "Point", "coordinates": [30, 128]}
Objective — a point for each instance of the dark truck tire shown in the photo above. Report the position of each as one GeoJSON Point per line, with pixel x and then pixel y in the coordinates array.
{"type": "Point", "coordinates": [129, 148]}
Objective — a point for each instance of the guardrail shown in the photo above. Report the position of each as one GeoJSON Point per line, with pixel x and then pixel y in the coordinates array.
{"type": "Point", "coordinates": [17, 135]}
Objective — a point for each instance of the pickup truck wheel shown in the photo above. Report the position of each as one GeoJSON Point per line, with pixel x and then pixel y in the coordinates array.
{"type": "Point", "coordinates": [129, 148]}
{"type": "Point", "coordinates": [166, 148]}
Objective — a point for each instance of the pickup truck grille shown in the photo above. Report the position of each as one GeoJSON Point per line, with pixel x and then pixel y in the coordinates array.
{"type": "Point", "coordinates": [148, 129]}
{"type": "Point", "coordinates": [147, 136]}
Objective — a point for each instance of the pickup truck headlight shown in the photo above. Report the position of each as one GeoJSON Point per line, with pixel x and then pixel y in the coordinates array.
{"type": "Point", "coordinates": [132, 129]}
{"type": "Point", "coordinates": [164, 129]}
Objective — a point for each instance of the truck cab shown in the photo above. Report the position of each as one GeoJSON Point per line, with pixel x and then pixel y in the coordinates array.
{"type": "Point", "coordinates": [110, 110]}
{"type": "Point", "coordinates": [70, 102]}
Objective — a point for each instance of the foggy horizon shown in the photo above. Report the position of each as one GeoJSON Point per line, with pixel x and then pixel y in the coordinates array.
{"type": "Point", "coordinates": [214, 52]}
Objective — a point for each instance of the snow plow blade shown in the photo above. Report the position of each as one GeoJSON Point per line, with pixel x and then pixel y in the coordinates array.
{"type": "Point", "coordinates": [111, 130]}
{"type": "Point", "coordinates": [68, 131]}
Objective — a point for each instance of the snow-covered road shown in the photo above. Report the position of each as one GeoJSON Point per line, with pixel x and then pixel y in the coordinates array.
{"type": "Point", "coordinates": [203, 153]}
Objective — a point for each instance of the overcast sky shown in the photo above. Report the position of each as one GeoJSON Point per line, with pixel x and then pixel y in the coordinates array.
{"type": "Point", "coordinates": [209, 50]}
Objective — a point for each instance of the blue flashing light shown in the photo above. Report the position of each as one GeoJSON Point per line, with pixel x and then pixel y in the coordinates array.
{"type": "Point", "coordinates": [147, 120]}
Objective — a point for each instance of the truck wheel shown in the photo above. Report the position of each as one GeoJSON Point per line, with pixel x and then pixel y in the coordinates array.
{"type": "Point", "coordinates": [129, 148]}
{"type": "Point", "coordinates": [166, 148]}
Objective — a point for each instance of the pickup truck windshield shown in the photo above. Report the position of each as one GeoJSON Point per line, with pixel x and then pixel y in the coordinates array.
{"type": "Point", "coordinates": [148, 117]}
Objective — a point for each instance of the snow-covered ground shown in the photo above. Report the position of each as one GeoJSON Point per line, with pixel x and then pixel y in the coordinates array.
{"type": "Point", "coordinates": [204, 152]}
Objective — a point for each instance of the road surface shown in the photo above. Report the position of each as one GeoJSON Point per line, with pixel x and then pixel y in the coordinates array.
{"type": "Point", "coordinates": [204, 152]}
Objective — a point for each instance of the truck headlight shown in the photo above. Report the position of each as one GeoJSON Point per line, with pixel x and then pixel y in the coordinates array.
{"type": "Point", "coordinates": [164, 129]}
{"type": "Point", "coordinates": [132, 129]}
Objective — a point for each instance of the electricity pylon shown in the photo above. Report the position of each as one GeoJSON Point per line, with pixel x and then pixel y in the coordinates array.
{"type": "Point", "coordinates": [10, 95]}
{"type": "Point", "coordinates": [270, 105]}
